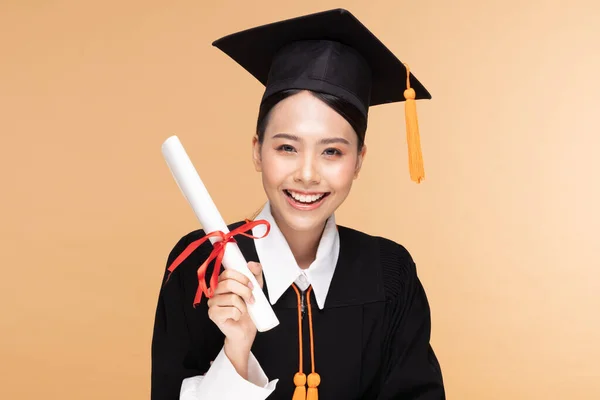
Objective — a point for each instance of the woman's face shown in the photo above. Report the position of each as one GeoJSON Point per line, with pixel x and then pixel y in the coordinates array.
{"type": "Point", "coordinates": [309, 159]}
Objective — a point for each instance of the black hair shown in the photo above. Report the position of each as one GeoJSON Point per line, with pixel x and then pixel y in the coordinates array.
{"type": "Point", "coordinates": [355, 118]}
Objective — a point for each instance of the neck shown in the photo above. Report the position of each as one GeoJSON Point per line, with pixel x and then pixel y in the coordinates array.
{"type": "Point", "coordinates": [303, 244]}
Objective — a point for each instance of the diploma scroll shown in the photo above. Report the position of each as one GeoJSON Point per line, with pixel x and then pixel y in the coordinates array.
{"type": "Point", "coordinates": [195, 192]}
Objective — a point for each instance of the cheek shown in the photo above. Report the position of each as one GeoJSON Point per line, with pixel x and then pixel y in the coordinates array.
{"type": "Point", "coordinates": [274, 171]}
{"type": "Point", "coordinates": [340, 175]}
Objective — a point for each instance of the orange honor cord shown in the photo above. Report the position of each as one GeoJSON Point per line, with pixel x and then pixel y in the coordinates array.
{"type": "Point", "coordinates": [313, 378]}
{"type": "Point", "coordinates": [216, 254]}
{"type": "Point", "coordinates": [300, 378]}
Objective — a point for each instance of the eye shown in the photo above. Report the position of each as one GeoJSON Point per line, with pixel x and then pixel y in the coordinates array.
{"type": "Point", "coordinates": [286, 148]}
{"type": "Point", "coordinates": [333, 152]}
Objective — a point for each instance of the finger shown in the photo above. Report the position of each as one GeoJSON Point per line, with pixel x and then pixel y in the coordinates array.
{"type": "Point", "coordinates": [229, 300]}
{"type": "Point", "coordinates": [220, 315]}
{"type": "Point", "coordinates": [235, 287]}
{"type": "Point", "coordinates": [235, 275]}
{"type": "Point", "coordinates": [256, 269]}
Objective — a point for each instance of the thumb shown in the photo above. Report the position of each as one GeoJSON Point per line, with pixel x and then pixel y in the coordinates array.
{"type": "Point", "coordinates": [256, 270]}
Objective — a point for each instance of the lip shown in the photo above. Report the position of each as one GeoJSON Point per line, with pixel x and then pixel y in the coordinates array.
{"type": "Point", "coordinates": [304, 207]}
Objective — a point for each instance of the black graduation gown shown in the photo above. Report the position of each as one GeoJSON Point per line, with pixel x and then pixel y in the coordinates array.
{"type": "Point", "coordinates": [371, 339]}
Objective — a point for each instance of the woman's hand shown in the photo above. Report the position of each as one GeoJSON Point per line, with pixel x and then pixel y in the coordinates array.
{"type": "Point", "coordinates": [227, 309]}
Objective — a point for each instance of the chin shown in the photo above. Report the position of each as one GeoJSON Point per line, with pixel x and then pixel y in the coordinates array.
{"type": "Point", "coordinates": [306, 223]}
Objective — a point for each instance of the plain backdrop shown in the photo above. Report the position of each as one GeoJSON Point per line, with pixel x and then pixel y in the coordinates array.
{"type": "Point", "coordinates": [504, 229]}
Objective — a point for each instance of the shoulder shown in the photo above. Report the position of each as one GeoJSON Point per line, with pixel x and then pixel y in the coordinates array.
{"type": "Point", "coordinates": [390, 251]}
{"type": "Point", "coordinates": [396, 264]}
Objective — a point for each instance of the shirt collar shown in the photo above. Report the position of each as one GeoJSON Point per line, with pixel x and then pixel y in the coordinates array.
{"type": "Point", "coordinates": [279, 266]}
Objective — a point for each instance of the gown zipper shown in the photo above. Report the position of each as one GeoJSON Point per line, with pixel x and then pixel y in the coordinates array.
{"type": "Point", "coordinates": [303, 304]}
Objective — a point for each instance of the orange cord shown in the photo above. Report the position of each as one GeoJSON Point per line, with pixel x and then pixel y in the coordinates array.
{"type": "Point", "coordinates": [312, 343]}
{"type": "Point", "coordinates": [299, 324]}
{"type": "Point", "coordinates": [313, 379]}
{"type": "Point", "coordinates": [300, 379]}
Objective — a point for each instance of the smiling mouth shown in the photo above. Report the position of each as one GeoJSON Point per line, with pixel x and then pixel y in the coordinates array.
{"type": "Point", "coordinates": [305, 198]}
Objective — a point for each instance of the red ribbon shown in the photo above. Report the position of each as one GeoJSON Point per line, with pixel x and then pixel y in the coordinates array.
{"type": "Point", "coordinates": [216, 254]}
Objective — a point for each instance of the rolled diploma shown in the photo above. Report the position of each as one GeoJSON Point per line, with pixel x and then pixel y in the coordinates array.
{"type": "Point", "coordinates": [195, 192]}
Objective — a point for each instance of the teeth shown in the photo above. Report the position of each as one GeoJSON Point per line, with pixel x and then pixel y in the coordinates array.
{"type": "Point", "coordinates": [305, 198]}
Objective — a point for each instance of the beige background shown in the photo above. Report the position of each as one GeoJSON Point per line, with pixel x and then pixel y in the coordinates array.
{"type": "Point", "coordinates": [504, 229]}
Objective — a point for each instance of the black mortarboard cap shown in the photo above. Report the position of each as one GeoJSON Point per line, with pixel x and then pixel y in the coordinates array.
{"type": "Point", "coordinates": [334, 53]}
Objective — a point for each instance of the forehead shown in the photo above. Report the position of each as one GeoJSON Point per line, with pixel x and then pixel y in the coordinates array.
{"type": "Point", "coordinates": [307, 116]}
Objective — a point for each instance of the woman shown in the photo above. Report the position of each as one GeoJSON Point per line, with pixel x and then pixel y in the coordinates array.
{"type": "Point", "coordinates": [354, 318]}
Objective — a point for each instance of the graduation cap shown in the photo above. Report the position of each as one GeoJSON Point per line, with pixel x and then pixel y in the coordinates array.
{"type": "Point", "coordinates": [334, 53]}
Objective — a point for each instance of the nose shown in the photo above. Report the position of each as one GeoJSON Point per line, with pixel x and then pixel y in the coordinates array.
{"type": "Point", "coordinates": [307, 171]}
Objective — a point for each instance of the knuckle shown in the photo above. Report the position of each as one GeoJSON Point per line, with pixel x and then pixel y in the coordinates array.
{"type": "Point", "coordinates": [241, 304]}
{"type": "Point", "coordinates": [228, 285]}
{"type": "Point", "coordinates": [225, 275]}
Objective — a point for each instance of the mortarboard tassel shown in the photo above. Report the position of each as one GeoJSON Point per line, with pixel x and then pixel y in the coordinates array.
{"type": "Point", "coordinates": [415, 157]}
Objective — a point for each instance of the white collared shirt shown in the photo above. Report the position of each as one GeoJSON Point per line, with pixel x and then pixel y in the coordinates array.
{"type": "Point", "coordinates": [280, 267]}
{"type": "Point", "coordinates": [280, 270]}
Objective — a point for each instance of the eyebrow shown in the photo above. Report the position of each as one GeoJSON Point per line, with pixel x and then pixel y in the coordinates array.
{"type": "Point", "coordinates": [295, 138]}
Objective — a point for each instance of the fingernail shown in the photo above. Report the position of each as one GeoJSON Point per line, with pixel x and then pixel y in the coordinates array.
{"type": "Point", "coordinates": [250, 285]}
{"type": "Point", "coordinates": [251, 299]}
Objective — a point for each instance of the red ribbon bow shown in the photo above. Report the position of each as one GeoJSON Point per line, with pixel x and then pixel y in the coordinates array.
{"type": "Point", "coordinates": [216, 254]}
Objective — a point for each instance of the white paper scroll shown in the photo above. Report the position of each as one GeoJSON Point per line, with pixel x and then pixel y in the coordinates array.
{"type": "Point", "coordinates": [195, 192]}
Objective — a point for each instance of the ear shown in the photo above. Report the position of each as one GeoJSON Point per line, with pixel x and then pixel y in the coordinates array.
{"type": "Point", "coordinates": [361, 157]}
{"type": "Point", "coordinates": [256, 154]}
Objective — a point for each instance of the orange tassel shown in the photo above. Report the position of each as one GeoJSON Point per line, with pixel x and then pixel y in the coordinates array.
{"type": "Point", "coordinates": [313, 381]}
{"type": "Point", "coordinates": [300, 382]}
{"type": "Point", "coordinates": [415, 156]}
